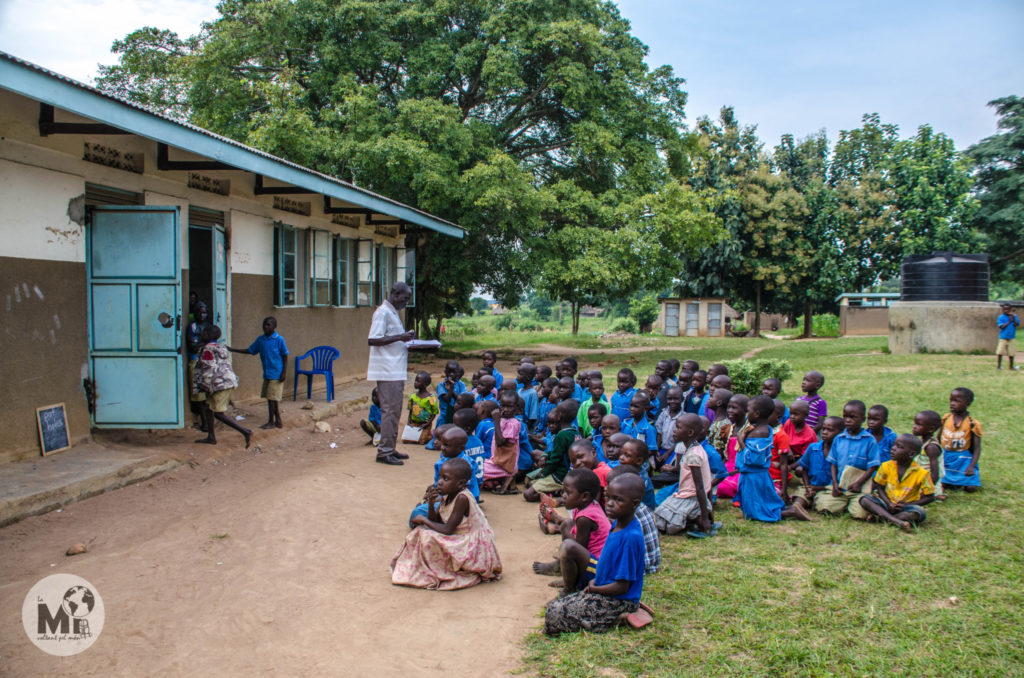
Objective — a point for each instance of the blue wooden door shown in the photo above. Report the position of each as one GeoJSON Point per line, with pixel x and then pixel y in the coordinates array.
{"type": "Point", "coordinates": [134, 315]}
{"type": "Point", "coordinates": [220, 281]}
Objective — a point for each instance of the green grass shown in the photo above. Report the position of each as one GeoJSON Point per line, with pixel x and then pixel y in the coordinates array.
{"type": "Point", "coordinates": [838, 596]}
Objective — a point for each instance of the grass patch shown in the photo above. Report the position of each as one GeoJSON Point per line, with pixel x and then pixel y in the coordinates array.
{"type": "Point", "coordinates": [837, 596]}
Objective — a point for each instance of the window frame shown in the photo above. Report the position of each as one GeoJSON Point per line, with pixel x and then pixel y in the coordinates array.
{"type": "Point", "coordinates": [405, 271]}
{"type": "Point", "coordinates": [326, 261]}
{"type": "Point", "coordinates": [366, 266]}
{"type": "Point", "coordinates": [344, 272]}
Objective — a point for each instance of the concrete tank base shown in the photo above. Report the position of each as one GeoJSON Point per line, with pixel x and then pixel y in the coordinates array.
{"type": "Point", "coordinates": [945, 326]}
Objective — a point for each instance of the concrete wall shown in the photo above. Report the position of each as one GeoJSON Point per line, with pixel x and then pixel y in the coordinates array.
{"type": "Point", "coordinates": [966, 326]}
{"type": "Point", "coordinates": [43, 274]}
{"type": "Point", "coordinates": [863, 320]}
{"type": "Point", "coordinates": [768, 320]}
{"type": "Point", "coordinates": [702, 315]}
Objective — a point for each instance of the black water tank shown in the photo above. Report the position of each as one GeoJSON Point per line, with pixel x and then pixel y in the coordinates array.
{"type": "Point", "coordinates": [944, 276]}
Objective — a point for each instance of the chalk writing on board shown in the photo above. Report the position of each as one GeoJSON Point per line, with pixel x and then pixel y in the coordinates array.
{"type": "Point", "coordinates": [53, 428]}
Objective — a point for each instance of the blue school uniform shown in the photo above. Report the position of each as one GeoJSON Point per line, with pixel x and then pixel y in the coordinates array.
{"type": "Point", "coordinates": [499, 378]}
{"type": "Point", "coordinates": [859, 451]}
{"type": "Point", "coordinates": [544, 408]}
{"type": "Point", "coordinates": [485, 432]}
{"type": "Point", "coordinates": [531, 406]}
{"type": "Point", "coordinates": [785, 416]}
{"type": "Point", "coordinates": [475, 451]}
{"type": "Point", "coordinates": [648, 497]}
{"type": "Point", "coordinates": [819, 471]}
{"type": "Point", "coordinates": [694, 403]}
{"type": "Point", "coordinates": [715, 463]}
{"type": "Point", "coordinates": [885, 444]}
{"type": "Point", "coordinates": [524, 462]}
{"type": "Point", "coordinates": [598, 440]}
{"type": "Point", "coordinates": [489, 396]}
{"type": "Point", "coordinates": [273, 352]}
{"type": "Point", "coordinates": [579, 395]}
{"type": "Point", "coordinates": [623, 558]}
{"type": "Point", "coordinates": [641, 430]}
{"type": "Point", "coordinates": [447, 409]}
{"type": "Point", "coordinates": [620, 403]}
{"type": "Point", "coordinates": [374, 415]}
{"type": "Point", "coordinates": [757, 496]}
{"type": "Point", "coordinates": [654, 410]}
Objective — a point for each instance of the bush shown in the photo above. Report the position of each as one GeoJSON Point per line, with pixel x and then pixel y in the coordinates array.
{"type": "Point", "coordinates": [627, 325]}
{"type": "Point", "coordinates": [644, 310]}
{"type": "Point", "coordinates": [748, 375]}
{"type": "Point", "coordinates": [503, 322]}
{"type": "Point", "coordinates": [530, 326]}
{"type": "Point", "coordinates": [740, 328]}
{"type": "Point", "coordinates": [825, 325]}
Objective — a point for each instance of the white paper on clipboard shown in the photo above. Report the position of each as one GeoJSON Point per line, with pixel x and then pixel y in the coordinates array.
{"type": "Point", "coordinates": [422, 344]}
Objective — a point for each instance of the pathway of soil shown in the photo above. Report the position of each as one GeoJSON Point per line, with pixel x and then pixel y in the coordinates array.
{"type": "Point", "coordinates": [272, 563]}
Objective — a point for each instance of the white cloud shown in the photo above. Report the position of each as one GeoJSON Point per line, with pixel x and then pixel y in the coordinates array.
{"type": "Point", "coordinates": [74, 36]}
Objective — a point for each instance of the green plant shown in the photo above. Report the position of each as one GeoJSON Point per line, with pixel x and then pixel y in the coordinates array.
{"type": "Point", "coordinates": [748, 375]}
{"type": "Point", "coordinates": [504, 322]}
{"type": "Point", "coordinates": [740, 328]}
{"type": "Point", "coordinates": [628, 325]}
{"type": "Point", "coordinates": [644, 310]}
{"type": "Point", "coordinates": [825, 325]}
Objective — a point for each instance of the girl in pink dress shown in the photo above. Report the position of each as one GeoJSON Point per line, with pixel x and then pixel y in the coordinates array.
{"type": "Point", "coordinates": [737, 413]}
{"type": "Point", "coordinates": [452, 547]}
{"type": "Point", "coordinates": [500, 468]}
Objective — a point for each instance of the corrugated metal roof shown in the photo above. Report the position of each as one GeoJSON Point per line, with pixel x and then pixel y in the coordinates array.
{"type": "Point", "coordinates": [36, 82]}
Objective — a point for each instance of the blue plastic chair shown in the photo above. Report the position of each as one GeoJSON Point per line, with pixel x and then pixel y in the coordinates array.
{"type": "Point", "coordinates": [323, 363]}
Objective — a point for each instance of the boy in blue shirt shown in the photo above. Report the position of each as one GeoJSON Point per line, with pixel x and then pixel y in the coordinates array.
{"type": "Point", "coordinates": [637, 425]}
{"type": "Point", "coordinates": [853, 460]}
{"type": "Point", "coordinates": [597, 397]}
{"type": "Point", "coordinates": [448, 392]}
{"type": "Point", "coordinates": [878, 416]}
{"type": "Point", "coordinates": [467, 420]}
{"type": "Point", "coordinates": [1008, 322]}
{"type": "Point", "coordinates": [625, 382]}
{"type": "Point", "coordinates": [812, 468]}
{"type": "Point", "coordinates": [618, 583]}
{"type": "Point", "coordinates": [524, 387]}
{"type": "Point", "coordinates": [653, 390]}
{"type": "Point", "coordinates": [371, 425]}
{"type": "Point", "coordinates": [488, 360]}
{"type": "Point", "coordinates": [274, 355]}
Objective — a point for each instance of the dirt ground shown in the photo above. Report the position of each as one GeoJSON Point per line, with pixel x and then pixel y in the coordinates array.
{"type": "Point", "coordinates": [271, 563]}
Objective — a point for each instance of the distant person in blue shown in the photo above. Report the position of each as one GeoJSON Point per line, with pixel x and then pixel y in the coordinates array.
{"type": "Point", "coordinates": [618, 583]}
{"type": "Point", "coordinates": [273, 354]}
{"type": "Point", "coordinates": [1008, 322]}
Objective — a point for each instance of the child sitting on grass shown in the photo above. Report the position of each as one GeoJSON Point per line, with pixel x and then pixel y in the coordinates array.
{"type": "Point", "coordinates": [781, 456]}
{"type": "Point", "coordinates": [772, 387]}
{"type": "Point", "coordinates": [736, 412]}
{"type": "Point", "coordinates": [583, 534]}
{"type": "Point", "coordinates": [548, 479]}
{"type": "Point", "coordinates": [653, 389]}
{"type": "Point", "coordinates": [961, 443]}
{"type": "Point", "coordinates": [602, 439]}
{"type": "Point", "coordinates": [619, 579]}
{"type": "Point", "coordinates": [634, 453]}
{"type": "Point", "coordinates": [666, 424]}
{"type": "Point", "coordinates": [452, 547]}
{"type": "Point", "coordinates": [625, 382]}
{"type": "Point", "coordinates": [800, 433]}
{"type": "Point", "coordinates": [721, 427]}
{"type": "Point", "coordinates": [926, 423]}
{"type": "Point", "coordinates": [759, 500]}
{"type": "Point", "coordinates": [500, 467]}
{"type": "Point", "coordinates": [688, 509]}
{"type": "Point", "coordinates": [371, 425]}
{"type": "Point", "coordinates": [811, 384]}
{"type": "Point", "coordinates": [423, 408]}
{"type": "Point", "coordinates": [853, 459]}
{"type": "Point", "coordinates": [637, 425]}
{"type": "Point", "coordinates": [644, 516]}
{"type": "Point", "coordinates": [695, 399]}
{"type": "Point", "coordinates": [900, 488]}
{"type": "Point", "coordinates": [812, 468]}
{"type": "Point", "coordinates": [878, 417]}
{"type": "Point", "coordinates": [596, 399]}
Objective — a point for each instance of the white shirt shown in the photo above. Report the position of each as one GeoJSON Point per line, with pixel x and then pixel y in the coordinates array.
{"type": "Point", "coordinates": [389, 362]}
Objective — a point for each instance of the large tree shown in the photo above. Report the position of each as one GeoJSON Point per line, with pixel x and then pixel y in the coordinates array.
{"type": "Point", "coordinates": [484, 113]}
{"type": "Point", "coordinates": [1000, 181]}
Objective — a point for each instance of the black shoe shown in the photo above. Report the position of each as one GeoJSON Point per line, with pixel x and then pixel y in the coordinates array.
{"type": "Point", "coordinates": [390, 459]}
{"type": "Point", "coordinates": [399, 455]}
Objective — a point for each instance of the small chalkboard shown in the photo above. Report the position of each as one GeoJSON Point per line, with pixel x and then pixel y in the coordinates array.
{"type": "Point", "coordinates": [53, 428]}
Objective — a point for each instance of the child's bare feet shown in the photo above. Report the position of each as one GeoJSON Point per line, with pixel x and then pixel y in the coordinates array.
{"type": "Point", "coordinates": [248, 438]}
{"type": "Point", "coordinates": [278, 424]}
{"type": "Point", "coordinates": [208, 440]}
{"type": "Point", "coordinates": [551, 569]}
{"type": "Point", "coordinates": [905, 525]}
{"type": "Point", "coordinates": [269, 424]}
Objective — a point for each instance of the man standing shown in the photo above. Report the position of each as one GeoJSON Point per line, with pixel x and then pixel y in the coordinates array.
{"type": "Point", "coordinates": [389, 367]}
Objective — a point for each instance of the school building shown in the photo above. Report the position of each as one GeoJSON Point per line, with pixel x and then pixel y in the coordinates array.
{"type": "Point", "coordinates": [682, 317]}
{"type": "Point", "coordinates": [112, 214]}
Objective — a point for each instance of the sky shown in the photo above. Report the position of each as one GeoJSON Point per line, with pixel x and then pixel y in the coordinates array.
{"type": "Point", "coordinates": [787, 66]}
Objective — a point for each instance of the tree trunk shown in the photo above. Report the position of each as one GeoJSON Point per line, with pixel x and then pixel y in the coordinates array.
{"type": "Point", "coordinates": [757, 311]}
{"type": "Point", "coordinates": [573, 317]}
{"type": "Point", "coordinates": [559, 311]}
{"type": "Point", "coordinates": [808, 317]}
{"type": "Point", "coordinates": [437, 327]}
